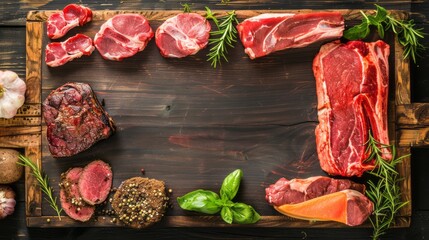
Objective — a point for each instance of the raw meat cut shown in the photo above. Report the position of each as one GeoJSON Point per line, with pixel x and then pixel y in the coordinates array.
{"type": "Point", "coordinates": [182, 35]}
{"type": "Point", "coordinates": [122, 36]}
{"type": "Point", "coordinates": [95, 182]}
{"type": "Point", "coordinates": [270, 32]}
{"type": "Point", "coordinates": [348, 206]}
{"type": "Point", "coordinates": [59, 53]}
{"type": "Point", "coordinates": [75, 119]}
{"type": "Point", "coordinates": [82, 213]}
{"type": "Point", "coordinates": [299, 190]}
{"type": "Point", "coordinates": [352, 87]}
{"type": "Point", "coordinates": [73, 15]}
{"type": "Point", "coordinates": [70, 198]}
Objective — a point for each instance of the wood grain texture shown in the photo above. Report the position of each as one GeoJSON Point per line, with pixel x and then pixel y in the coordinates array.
{"type": "Point", "coordinates": [14, 11]}
{"type": "Point", "coordinates": [413, 114]}
{"type": "Point", "coordinates": [413, 137]}
{"type": "Point", "coordinates": [33, 59]}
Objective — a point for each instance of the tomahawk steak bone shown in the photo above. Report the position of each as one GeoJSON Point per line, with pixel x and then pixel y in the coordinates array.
{"type": "Point", "coordinates": [182, 35]}
{"type": "Point", "coordinates": [122, 36]}
{"type": "Point", "coordinates": [270, 32]}
{"type": "Point", "coordinates": [352, 87]}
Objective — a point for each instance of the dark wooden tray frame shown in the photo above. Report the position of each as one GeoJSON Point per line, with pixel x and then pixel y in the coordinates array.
{"type": "Point", "coordinates": [408, 123]}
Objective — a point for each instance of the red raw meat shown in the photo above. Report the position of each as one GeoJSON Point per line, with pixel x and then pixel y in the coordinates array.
{"type": "Point", "coordinates": [352, 87]}
{"type": "Point", "coordinates": [70, 196]}
{"type": "Point", "coordinates": [95, 182]}
{"type": "Point", "coordinates": [73, 15]}
{"type": "Point", "coordinates": [299, 190]}
{"type": "Point", "coordinates": [270, 32]}
{"type": "Point", "coordinates": [123, 36]}
{"type": "Point", "coordinates": [183, 35]}
{"type": "Point", "coordinates": [59, 53]}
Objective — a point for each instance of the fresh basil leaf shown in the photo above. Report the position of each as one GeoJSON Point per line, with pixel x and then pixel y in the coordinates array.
{"type": "Point", "coordinates": [230, 185]}
{"type": "Point", "coordinates": [226, 214]}
{"type": "Point", "coordinates": [244, 214]}
{"type": "Point", "coordinates": [357, 32]}
{"type": "Point", "coordinates": [372, 20]}
{"type": "Point", "coordinates": [203, 201]}
{"type": "Point", "coordinates": [381, 13]}
{"type": "Point", "coordinates": [380, 30]}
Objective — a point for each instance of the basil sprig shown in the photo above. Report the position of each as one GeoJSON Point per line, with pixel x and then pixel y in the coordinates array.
{"type": "Point", "coordinates": [209, 202]}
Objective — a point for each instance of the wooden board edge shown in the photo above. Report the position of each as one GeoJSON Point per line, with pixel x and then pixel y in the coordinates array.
{"type": "Point", "coordinates": [404, 170]}
{"type": "Point", "coordinates": [199, 221]}
{"type": "Point", "coordinates": [402, 75]}
{"type": "Point", "coordinates": [416, 114]}
{"type": "Point", "coordinates": [413, 137]}
{"type": "Point", "coordinates": [33, 193]}
{"type": "Point", "coordinates": [41, 16]}
{"type": "Point", "coordinates": [34, 31]}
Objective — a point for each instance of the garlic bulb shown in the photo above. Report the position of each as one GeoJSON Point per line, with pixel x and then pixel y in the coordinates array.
{"type": "Point", "coordinates": [7, 201]}
{"type": "Point", "coordinates": [12, 93]}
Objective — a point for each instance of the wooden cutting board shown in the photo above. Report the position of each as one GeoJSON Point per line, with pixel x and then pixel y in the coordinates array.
{"type": "Point", "coordinates": [190, 125]}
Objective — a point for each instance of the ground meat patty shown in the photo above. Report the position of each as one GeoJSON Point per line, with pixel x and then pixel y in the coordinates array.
{"type": "Point", "coordinates": [75, 119]}
{"type": "Point", "coordinates": [140, 202]}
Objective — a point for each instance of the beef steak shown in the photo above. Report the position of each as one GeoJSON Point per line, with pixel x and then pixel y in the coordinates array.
{"type": "Point", "coordinates": [95, 182]}
{"type": "Point", "coordinates": [122, 36]}
{"type": "Point", "coordinates": [59, 53]}
{"type": "Point", "coordinates": [270, 32]}
{"type": "Point", "coordinates": [182, 35]}
{"type": "Point", "coordinates": [70, 198]}
{"type": "Point", "coordinates": [299, 190]}
{"type": "Point", "coordinates": [352, 87]}
{"type": "Point", "coordinates": [75, 119]}
{"type": "Point", "coordinates": [58, 24]}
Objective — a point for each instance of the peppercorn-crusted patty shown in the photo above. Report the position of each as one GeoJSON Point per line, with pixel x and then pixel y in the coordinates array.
{"type": "Point", "coordinates": [140, 202]}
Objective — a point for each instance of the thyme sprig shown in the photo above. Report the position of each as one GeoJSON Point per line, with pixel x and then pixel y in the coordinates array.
{"type": "Point", "coordinates": [224, 37]}
{"type": "Point", "coordinates": [408, 35]}
{"type": "Point", "coordinates": [43, 181]}
{"type": "Point", "coordinates": [384, 192]}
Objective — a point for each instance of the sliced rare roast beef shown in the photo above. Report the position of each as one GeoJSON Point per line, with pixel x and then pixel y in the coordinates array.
{"type": "Point", "coordinates": [75, 119]}
{"type": "Point", "coordinates": [95, 182]}
{"type": "Point", "coordinates": [299, 190]}
{"type": "Point", "coordinates": [70, 198]}
{"type": "Point", "coordinates": [352, 83]}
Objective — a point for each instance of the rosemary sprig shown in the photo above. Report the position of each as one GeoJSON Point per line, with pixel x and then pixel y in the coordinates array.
{"type": "Point", "coordinates": [224, 37]}
{"type": "Point", "coordinates": [186, 7]}
{"type": "Point", "coordinates": [408, 36]}
{"type": "Point", "coordinates": [43, 182]}
{"type": "Point", "coordinates": [385, 192]}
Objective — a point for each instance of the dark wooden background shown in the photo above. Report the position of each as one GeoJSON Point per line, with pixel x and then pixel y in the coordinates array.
{"type": "Point", "coordinates": [12, 57]}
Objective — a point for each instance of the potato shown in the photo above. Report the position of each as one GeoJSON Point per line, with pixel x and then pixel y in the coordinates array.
{"type": "Point", "coordinates": [10, 171]}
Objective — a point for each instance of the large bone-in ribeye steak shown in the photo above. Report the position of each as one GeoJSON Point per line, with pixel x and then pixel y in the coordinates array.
{"type": "Point", "coordinates": [270, 32]}
{"type": "Point", "coordinates": [182, 35]}
{"type": "Point", "coordinates": [123, 36]}
{"type": "Point", "coordinates": [352, 88]}
{"type": "Point", "coordinates": [75, 119]}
